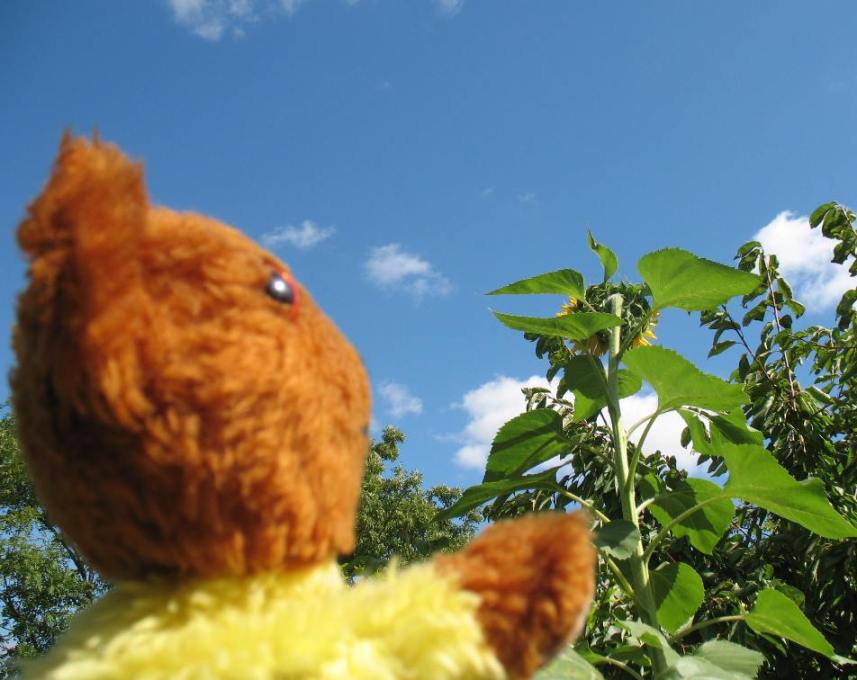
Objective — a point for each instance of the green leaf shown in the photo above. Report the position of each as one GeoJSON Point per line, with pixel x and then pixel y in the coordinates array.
{"type": "Point", "coordinates": [775, 613]}
{"type": "Point", "coordinates": [651, 637]}
{"type": "Point", "coordinates": [678, 592]}
{"type": "Point", "coordinates": [721, 347]}
{"type": "Point", "coordinates": [524, 442]}
{"type": "Point", "coordinates": [732, 657]}
{"type": "Point", "coordinates": [579, 326]}
{"type": "Point", "coordinates": [586, 379]}
{"type": "Point", "coordinates": [562, 282]}
{"type": "Point", "coordinates": [704, 527]}
{"type": "Point", "coordinates": [679, 383]}
{"type": "Point", "coordinates": [756, 477]}
{"type": "Point", "coordinates": [569, 665]}
{"type": "Point", "coordinates": [680, 279]}
{"type": "Point", "coordinates": [477, 495]}
{"type": "Point", "coordinates": [698, 668]}
{"type": "Point", "coordinates": [618, 538]}
{"type": "Point", "coordinates": [608, 258]}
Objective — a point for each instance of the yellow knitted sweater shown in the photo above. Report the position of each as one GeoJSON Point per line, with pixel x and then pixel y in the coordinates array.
{"type": "Point", "coordinates": [308, 625]}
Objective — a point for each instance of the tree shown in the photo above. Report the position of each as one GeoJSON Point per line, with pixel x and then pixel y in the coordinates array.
{"type": "Point", "coordinates": [802, 385]}
{"type": "Point", "coordinates": [397, 515]}
{"type": "Point", "coordinates": [44, 580]}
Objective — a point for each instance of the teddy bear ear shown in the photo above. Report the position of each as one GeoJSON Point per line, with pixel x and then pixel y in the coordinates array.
{"type": "Point", "coordinates": [93, 208]}
{"type": "Point", "coordinates": [86, 302]}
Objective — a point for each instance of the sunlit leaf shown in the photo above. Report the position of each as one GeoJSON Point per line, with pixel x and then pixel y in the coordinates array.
{"type": "Point", "coordinates": [585, 378]}
{"type": "Point", "coordinates": [680, 279]}
{"type": "Point", "coordinates": [678, 592]}
{"type": "Point", "coordinates": [608, 258]}
{"type": "Point", "coordinates": [775, 613]}
{"type": "Point", "coordinates": [562, 282]}
{"type": "Point", "coordinates": [706, 526]}
{"type": "Point", "coordinates": [477, 495]}
{"type": "Point", "coordinates": [579, 326]}
{"type": "Point", "coordinates": [618, 538]}
{"type": "Point", "coordinates": [678, 382]}
{"type": "Point", "coordinates": [568, 665]}
{"type": "Point", "coordinates": [731, 657]}
{"type": "Point", "coordinates": [524, 442]}
{"type": "Point", "coordinates": [756, 477]}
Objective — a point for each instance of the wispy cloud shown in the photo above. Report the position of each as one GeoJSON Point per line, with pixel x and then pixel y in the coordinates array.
{"type": "Point", "coordinates": [487, 192]}
{"type": "Point", "coordinates": [449, 7]}
{"type": "Point", "coordinates": [528, 197]}
{"type": "Point", "coordinates": [304, 237]}
{"type": "Point", "coordinates": [392, 268]}
{"type": "Point", "coordinates": [399, 400]}
{"type": "Point", "coordinates": [212, 19]}
{"type": "Point", "coordinates": [488, 407]}
{"type": "Point", "coordinates": [804, 256]}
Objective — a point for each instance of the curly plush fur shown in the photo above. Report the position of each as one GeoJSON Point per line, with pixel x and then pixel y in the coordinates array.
{"type": "Point", "coordinates": [181, 425]}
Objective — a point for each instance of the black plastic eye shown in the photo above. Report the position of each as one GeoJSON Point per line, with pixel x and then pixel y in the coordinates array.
{"type": "Point", "coordinates": [280, 289]}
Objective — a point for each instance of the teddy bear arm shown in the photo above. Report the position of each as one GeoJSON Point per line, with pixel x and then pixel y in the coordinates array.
{"type": "Point", "coordinates": [535, 580]}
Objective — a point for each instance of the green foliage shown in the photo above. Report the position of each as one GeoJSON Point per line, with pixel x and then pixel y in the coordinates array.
{"type": "Point", "coordinates": [397, 517]}
{"type": "Point", "coordinates": [679, 565]}
{"type": "Point", "coordinates": [44, 580]}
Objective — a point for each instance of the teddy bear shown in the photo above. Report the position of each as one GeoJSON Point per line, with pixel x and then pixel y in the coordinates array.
{"type": "Point", "coordinates": [197, 427]}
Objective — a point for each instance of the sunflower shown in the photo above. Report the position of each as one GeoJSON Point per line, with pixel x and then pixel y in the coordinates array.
{"type": "Point", "coordinates": [599, 344]}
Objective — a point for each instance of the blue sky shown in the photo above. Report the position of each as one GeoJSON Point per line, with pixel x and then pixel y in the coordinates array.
{"type": "Point", "coordinates": [406, 157]}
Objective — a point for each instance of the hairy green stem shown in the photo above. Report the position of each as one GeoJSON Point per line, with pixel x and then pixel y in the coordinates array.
{"type": "Point", "coordinates": [638, 566]}
{"type": "Point", "coordinates": [589, 505]}
{"type": "Point", "coordinates": [708, 622]}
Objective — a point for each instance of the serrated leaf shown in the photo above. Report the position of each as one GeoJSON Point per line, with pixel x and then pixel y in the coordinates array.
{"type": "Point", "coordinates": [706, 526]}
{"type": "Point", "coordinates": [586, 379]}
{"type": "Point", "coordinates": [569, 665]}
{"type": "Point", "coordinates": [680, 279]}
{"type": "Point", "coordinates": [755, 476]}
{"type": "Point", "coordinates": [618, 538]}
{"type": "Point", "coordinates": [678, 382]}
{"type": "Point", "coordinates": [524, 442]}
{"type": "Point", "coordinates": [562, 282]}
{"type": "Point", "coordinates": [775, 613]}
{"type": "Point", "coordinates": [477, 495]}
{"type": "Point", "coordinates": [732, 657]}
{"type": "Point", "coordinates": [720, 347]}
{"type": "Point", "coordinates": [608, 258]}
{"type": "Point", "coordinates": [678, 592]}
{"type": "Point", "coordinates": [578, 326]}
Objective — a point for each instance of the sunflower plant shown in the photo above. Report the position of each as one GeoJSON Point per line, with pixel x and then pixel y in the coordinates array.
{"type": "Point", "coordinates": [666, 605]}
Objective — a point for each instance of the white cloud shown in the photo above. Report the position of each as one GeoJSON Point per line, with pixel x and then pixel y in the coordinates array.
{"type": "Point", "coordinates": [450, 7]}
{"type": "Point", "coordinates": [528, 197]}
{"type": "Point", "coordinates": [804, 256]}
{"type": "Point", "coordinates": [211, 19]}
{"type": "Point", "coordinates": [307, 236]}
{"type": "Point", "coordinates": [488, 408]}
{"type": "Point", "coordinates": [665, 435]}
{"type": "Point", "coordinates": [392, 268]}
{"type": "Point", "coordinates": [400, 401]}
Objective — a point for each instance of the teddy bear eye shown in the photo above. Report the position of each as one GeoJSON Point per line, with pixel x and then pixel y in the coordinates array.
{"type": "Point", "coordinates": [279, 289]}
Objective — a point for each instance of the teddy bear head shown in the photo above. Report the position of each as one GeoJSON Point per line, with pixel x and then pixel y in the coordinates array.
{"type": "Point", "coordinates": [184, 407]}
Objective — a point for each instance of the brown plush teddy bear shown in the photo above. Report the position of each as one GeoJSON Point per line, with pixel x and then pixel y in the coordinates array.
{"type": "Point", "coordinates": [197, 428]}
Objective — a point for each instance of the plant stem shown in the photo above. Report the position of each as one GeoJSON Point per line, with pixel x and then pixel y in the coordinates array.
{"type": "Point", "coordinates": [586, 504]}
{"type": "Point", "coordinates": [625, 487]}
{"type": "Point", "coordinates": [708, 622]}
{"type": "Point", "coordinates": [678, 518]}
{"type": "Point", "coordinates": [620, 664]}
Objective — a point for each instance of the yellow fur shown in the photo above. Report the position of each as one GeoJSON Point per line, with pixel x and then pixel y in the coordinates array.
{"type": "Point", "coordinates": [306, 625]}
